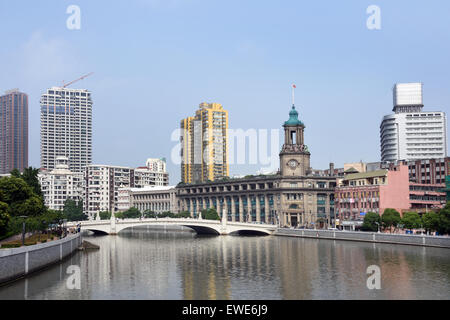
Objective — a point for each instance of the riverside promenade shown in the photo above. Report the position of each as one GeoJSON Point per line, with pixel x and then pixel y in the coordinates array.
{"type": "Point", "coordinates": [18, 262]}
{"type": "Point", "coordinates": [416, 240]}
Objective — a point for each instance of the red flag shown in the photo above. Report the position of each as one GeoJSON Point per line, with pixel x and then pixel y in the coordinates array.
{"type": "Point", "coordinates": [294, 86]}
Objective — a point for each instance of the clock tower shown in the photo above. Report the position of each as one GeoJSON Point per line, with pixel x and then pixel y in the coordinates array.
{"type": "Point", "coordinates": [294, 156]}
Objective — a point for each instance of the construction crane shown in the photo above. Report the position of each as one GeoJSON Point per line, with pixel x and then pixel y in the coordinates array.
{"type": "Point", "coordinates": [81, 78]}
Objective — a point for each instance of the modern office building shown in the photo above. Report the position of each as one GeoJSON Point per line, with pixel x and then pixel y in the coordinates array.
{"type": "Point", "coordinates": [411, 133]}
{"type": "Point", "coordinates": [60, 184]}
{"type": "Point", "coordinates": [13, 131]}
{"type": "Point", "coordinates": [66, 127]}
{"type": "Point", "coordinates": [204, 144]}
{"type": "Point", "coordinates": [294, 196]}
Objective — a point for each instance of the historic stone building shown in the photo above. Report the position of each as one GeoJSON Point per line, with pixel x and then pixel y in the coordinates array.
{"type": "Point", "coordinates": [295, 196]}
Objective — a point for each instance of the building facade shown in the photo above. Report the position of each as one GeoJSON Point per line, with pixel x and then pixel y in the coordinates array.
{"type": "Point", "coordinates": [13, 131]}
{"type": "Point", "coordinates": [101, 187]}
{"type": "Point", "coordinates": [66, 127]}
{"type": "Point", "coordinates": [157, 199]}
{"type": "Point", "coordinates": [429, 171]}
{"type": "Point", "coordinates": [374, 191]}
{"type": "Point", "coordinates": [411, 133]}
{"type": "Point", "coordinates": [153, 174]}
{"type": "Point", "coordinates": [107, 188]}
{"type": "Point", "coordinates": [294, 196]}
{"type": "Point", "coordinates": [60, 184]}
{"type": "Point", "coordinates": [204, 144]}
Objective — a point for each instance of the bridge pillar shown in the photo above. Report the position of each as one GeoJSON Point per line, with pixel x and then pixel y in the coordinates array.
{"type": "Point", "coordinates": [112, 227]}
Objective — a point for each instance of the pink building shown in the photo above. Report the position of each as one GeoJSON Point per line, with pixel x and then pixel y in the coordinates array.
{"type": "Point", "coordinates": [373, 191]}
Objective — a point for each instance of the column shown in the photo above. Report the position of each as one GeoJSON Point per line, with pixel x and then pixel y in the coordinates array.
{"type": "Point", "coordinates": [219, 207]}
{"type": "Point", "coordinates": [266, 207]}
{"type": "Point", "coordinates": [233, 209]}
{"type": "Point", "coordinates": [241, 209]}
{"type": "Point", "coordinates": [225, 206]}
{"type": "Point", "coordinates": [204, 202]}
{"type": "Point", "coordinates": [191, 207]}
{"type": "Point", "coordinates": [249, 208]}
{"type": "Point", "coordinates": [258, 208]}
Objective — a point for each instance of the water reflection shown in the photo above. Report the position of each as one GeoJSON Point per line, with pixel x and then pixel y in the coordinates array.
{"type": "Point", "coordinates": [144, 263]}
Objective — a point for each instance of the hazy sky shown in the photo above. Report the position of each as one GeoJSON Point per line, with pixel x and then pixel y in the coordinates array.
{"type": "Point", "coordinates": [155, 61]}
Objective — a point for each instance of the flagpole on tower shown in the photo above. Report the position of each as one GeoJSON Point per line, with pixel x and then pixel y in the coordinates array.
{"type": "Point", "coordinates": [293, 94]}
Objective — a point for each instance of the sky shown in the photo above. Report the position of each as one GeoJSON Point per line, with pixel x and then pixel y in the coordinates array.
{"type": "Point", "coordinates": [155, 61]}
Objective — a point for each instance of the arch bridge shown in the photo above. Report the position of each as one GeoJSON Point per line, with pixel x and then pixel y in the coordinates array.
{"type": "Point", "coordinates": [201, 226]}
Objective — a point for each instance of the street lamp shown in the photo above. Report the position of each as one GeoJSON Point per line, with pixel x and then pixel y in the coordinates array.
{"type": "Point", "coordinates": [378, 226]}
{"type": "Point", "coordinates": [23, 229]}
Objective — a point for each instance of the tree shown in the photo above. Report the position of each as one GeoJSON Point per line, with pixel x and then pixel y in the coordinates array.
{"type": "Point", "coordinates": [183, 214]}
{"type": "Point", "coordinates": [131, 213]}
{"type": "Point", "coordinates": [105, 215]}
{"type": "Point", "coordinates": [167, 214]}
{"type": "Point", "coordinates": [20, 198]}
{"type": "Point", "coordinates": [430, 221]}
{"type": "Point", "coordinates": [210, 214]}
{"type": "Point", "coordinates": [370, 222]}
{"type": "Point", "coordinates": [149, 214]}
{"type": "Point", "coordinates": [4, 218]}
{"type": "Point", "coordinates": [390, 218]}
{"type": "Point", "coordinates": [30, 176]}
{"type": "Point", "coordinates": [73, 210]}
{"type": "Point", "coordinates": [411, 220]}
{"type": "Point", "coordinates": [444, 220]}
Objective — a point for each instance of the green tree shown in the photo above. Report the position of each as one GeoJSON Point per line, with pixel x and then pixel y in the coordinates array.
{"type": "Point", "coordinates": [390, 218]}
{"type": "Point", "coordinates": [119, 215]}
{"type": "Point", "coordinates": [411, 220]}
{"type": "Point", "coordinates": [20, 198]}
{"type": "Point", "coordinates": [210, 214]}
{"type": "Point", "coordinates": [149, 214]}
{"type": "Point", "coordinates": [73, 210]}
{"type": "Point", "coordinates": [30, 176]}
{"type": "Point", "coordinates": [430, 221]}
{"type": "Point", "coordinates": [183, 214]}
{"type": "Point", "coordinates": [4, 218]}
{"type": "Point", "coordinates": [105, 215]}
{"type": "Point", "coordinates": [131, 213]}
{"type": "Point", "coordinates": [444, 220]}
{"type": "Point", "coordinates": [167, 214]}
{"type": "Point", "coordinates": [370, 222]}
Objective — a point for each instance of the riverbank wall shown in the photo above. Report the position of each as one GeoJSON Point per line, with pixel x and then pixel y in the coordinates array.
{"type": "Point", "coordinates": [374, 237]}
{"type": "Point", "coordinates": [18, 262]}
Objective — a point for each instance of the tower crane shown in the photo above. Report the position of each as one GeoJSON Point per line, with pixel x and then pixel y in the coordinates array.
{"type": "Point", "coordinates": [81, 78]}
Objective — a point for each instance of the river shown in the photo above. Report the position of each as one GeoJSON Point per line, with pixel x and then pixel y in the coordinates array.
{"type": "Point", "coordinates": [162, 264]}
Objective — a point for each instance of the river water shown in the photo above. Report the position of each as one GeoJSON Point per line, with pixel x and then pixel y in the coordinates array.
{"type": "Point", "coordinates": [158, 264]}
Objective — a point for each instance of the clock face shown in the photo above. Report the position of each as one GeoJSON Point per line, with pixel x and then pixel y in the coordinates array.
{"type": "Point", "coordinates": [292, 164]}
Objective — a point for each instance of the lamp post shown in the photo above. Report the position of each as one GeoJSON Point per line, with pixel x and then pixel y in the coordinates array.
{"type": "Point", "coordinates": [378, 226]}
{"type": "Point", "coordinates": [23, 229]}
